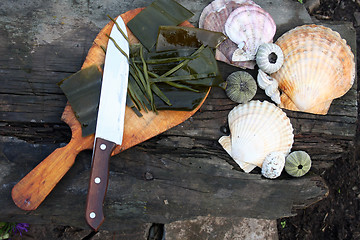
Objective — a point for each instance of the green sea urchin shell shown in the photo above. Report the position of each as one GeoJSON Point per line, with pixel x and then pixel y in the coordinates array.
{"type": "Point", "coordinates": [241, 87]}
{"type": "Point", "coordinates": [297, 163]}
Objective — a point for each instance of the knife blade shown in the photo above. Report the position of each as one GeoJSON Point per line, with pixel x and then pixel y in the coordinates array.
{"type": "Point", "coordinates": [110, 122]}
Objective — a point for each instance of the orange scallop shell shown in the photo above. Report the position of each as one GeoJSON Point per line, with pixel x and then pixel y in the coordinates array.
{"type": "Point", "coordinates": [318, 67]}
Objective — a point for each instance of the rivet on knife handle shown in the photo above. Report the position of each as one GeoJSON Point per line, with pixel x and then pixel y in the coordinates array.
{"type": "Point", "coordinates": [98, 182]}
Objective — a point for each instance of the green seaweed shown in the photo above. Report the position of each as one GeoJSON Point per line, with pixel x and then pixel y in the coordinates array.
{"type": "Point", "coordinates": [175, 37]}
{"type": "Point", "coordinates": [177, 79]}
{"type": "Point", "coordinates": [82, 89]}
{"type": "Point", "coordinates": [145, 25]}
{"type": "Point", "coordinates": [181, 99]}
{"type": "Point", "coordinates": [197, 64]}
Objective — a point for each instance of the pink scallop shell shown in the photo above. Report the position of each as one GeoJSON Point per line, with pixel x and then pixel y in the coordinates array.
{"type": "Point", "coordinates": [214, 16]}
{"type": "Point", "coordinates": [249, 26]}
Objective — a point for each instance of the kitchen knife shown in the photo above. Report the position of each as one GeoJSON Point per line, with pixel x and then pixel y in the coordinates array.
{"type": "Point", "coordinates": [110, 122]}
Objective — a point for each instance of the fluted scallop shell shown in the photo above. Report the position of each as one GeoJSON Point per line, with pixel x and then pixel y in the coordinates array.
{"type": "Point", "coordinates": [222, 9]}
{"type": "Point", "coordinates": [214, 17]}
{"type": "Point", "coordinates": [249, 26]}
{"type": "Point", "coordinates": [318, 67]}
{"type": "Point", "coordinates": [257, 129]}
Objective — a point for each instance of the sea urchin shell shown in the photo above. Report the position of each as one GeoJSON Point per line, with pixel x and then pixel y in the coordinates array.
{"type": "Point", "coordinates": [297, 163]}
{"type": "Point", "coordinates": [240, 87]}
{"type": "Point", "coordinates": [269, 57]}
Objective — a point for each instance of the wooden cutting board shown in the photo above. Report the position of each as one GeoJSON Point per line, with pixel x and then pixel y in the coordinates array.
{"type": "Point", "coordinates": [29, 193]}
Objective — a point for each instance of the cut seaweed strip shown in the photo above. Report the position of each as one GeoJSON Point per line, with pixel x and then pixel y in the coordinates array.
{"type": "Point", "coordinates": [197, 62]}
{"type": "Point", "coordinates": [138, 91]}
{"type": "Point", "coordinates": [182, 77]}
{"type": "Point", "coordinates": [119, 28]}
{"type": "Point", "coordinates": [146, 24]}
{"type": "Point", "coordinates": [82, 89]}
{"type": "Point", "coordinates": [165, 60]}
{"type": "Point", "coordinates": [130, 104]}
{"type": "Point", "coordinates": [175, 37]}
{"type": "Point", "coordinates": [160, 94]}
{"type": "Point", "coordinates": [183, 63]}
{"type": "Point", "coordinates": [205, 63]}
{"type": "Point", "coordinates": [146, 76]}
{"type": "Point", "coordinates": [181, 100]}
{"type": "Point", "coordinates": [174, 84]}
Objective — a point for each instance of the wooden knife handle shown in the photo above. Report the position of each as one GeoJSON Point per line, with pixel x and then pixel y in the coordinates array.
{"type": "Point", "coordinates": [98, 182]}
{"type": "Point", "coordinates": [30, 191]}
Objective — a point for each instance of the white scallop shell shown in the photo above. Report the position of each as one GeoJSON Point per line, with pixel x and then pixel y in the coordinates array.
{"type": "Point", "coordinates": [263, 57]}
{"type": "Point", "coordinates": [273, 165]}
{"type": "Point", "coordinates": [257, 129]}
{"type": "Point", "coordinates": [270, 85]}
{"type": "Point", "coordinates": [249, 26]}
{"type": "Point", "coordinates": [318, 67]}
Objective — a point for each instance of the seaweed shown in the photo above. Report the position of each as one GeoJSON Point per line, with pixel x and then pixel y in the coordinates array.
{"type": "Point", "coordinates": [82, 89]}
{"type": "Point", "coordinates": [145, 25]}
{"type": "Point", "coordinates": [175, 37]}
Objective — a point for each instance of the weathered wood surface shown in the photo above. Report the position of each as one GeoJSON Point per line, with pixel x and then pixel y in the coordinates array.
{"type": "Point", "coordinates": [180, 174]}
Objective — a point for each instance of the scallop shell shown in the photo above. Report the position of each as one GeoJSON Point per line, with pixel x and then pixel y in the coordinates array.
{"type": "Point", "coordinates": [273, 165]}
{"type": "Point", "coordinates": [257, 129]}
{"type": "Point", "coordinates": [270, 85]}
{"type": "Point", "coordinates": [318, 67]}
{"type": "Point", "coordinates": [249, 26]}
{"type": "Point", "coordinates": [222, 9]}
{"type": "Point", "coordinates": [297, 163]}
{"type": "Point", "coordinates": [214, 17]}
{"type": "Point", "coordinates": [225, 52]}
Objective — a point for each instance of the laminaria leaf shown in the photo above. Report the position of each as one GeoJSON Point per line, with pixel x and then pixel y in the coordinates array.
{"type": "Point", "coordinates": [182, 77]}
{"type": "Point", "coordinates": [82, 89]}
{"type": "Point", "coordinates": [146, 24]}
{"type": "Point", "coordinates": [175, 37]}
